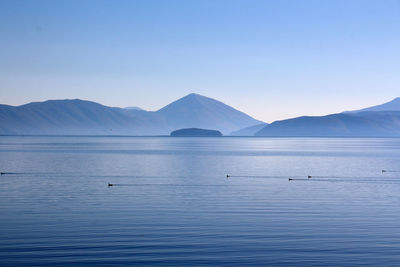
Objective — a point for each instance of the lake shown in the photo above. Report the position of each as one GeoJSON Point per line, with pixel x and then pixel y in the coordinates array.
{"type": "Point", "coordinates": [171, 202]}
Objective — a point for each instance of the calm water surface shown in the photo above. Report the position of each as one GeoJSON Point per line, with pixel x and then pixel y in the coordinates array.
{"type": "Point", "coordinates": [173, 205]}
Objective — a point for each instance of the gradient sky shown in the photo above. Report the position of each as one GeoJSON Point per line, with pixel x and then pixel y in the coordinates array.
{"type": "Point", "coordinates": [270, 59]}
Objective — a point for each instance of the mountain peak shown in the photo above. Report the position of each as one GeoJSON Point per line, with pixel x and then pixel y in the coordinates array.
{"type": "Point", "coordinates": [190, 102]}
{"type": "Point", "coordinates": [194, 96]}
{"type": "Point", "coordinates": [197, 111]}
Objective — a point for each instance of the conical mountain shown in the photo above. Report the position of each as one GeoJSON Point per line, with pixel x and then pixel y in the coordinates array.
{"type": "Point", "coordinates": [197, 111]}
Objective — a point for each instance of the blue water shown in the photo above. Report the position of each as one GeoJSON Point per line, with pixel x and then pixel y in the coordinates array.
{"type": "Point", "coordinates": [171, 203]}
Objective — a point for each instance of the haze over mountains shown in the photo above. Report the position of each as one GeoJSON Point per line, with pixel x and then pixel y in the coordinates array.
{"type": "Point", "coordinates": [393, 105]}
{"type": "Point", "coordinates": [381, 120]}
{"type": "Point", "coordinates": [249, 131]}
{"type": "Point", "coordinates": [79, 117]}
{"type": "Point", "coordinates": [362, 124]}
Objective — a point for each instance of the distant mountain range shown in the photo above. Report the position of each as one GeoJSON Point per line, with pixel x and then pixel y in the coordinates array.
{"type": "Point", "coordinates": [380, 121]}
{"type": "Point", "coordinates": [79, 117]}
{"type": "Point", "coordinates": [362, 124]}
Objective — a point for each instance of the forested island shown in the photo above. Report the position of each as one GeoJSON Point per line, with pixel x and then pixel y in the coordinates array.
{"type": "Point", "coordinates": [195, 132]}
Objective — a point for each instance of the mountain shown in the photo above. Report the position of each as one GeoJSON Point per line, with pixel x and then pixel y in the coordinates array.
{"type": "Point", "coordinates": [363, 124]}
{"type": "Point", "coordinates": [249, 131]}
{"type": "Point", "coordinates": [381, 120]}
{"type": "Point", "coordinates": [80, 117]}
{"type": "Point", "coordinates": [73, 117]}
{"type": "Point", "coordinates": [196, 111]}
{"type": "Point", "coordinates": [393, 105]}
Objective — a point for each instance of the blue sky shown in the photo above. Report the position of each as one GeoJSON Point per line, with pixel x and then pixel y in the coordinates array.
{"type": "Point", "coordinates": [270, 59]}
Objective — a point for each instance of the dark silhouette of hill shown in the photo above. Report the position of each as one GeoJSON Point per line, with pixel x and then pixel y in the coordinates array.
{"type": "Point", "coordinates": [195, 132]}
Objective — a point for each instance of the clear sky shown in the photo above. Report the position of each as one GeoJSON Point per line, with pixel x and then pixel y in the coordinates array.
{"type": "Point", "coordinates": [270, 59]}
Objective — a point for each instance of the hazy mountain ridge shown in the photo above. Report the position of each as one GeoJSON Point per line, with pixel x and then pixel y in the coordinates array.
{"type": "Point", "coordinates": [77, 117]}
{"type": "Point", "coordinates": [249, 131]}
{"type": "Point", "coordinates": [336, 125]}
{"type": "Point", "coordinates": [90, 118]}
{"type": "Point", "coordinates": [364, 123]}
{"type": "Point", "coordinates": [70, 117]}
{"type": "Point", "coordinates": [393, 105]}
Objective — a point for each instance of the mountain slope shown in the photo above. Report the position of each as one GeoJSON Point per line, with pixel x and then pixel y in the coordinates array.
{"type": "Point", "coordinates": [393, 105]}
{"type": "Point", "coordinates": [249, 131]}
{"type": "Point", "coordinates": [363, 124]}
{"type": "Point", "coordinates": [196, 111]}
{"type": "Point", "coordinates": [72, 117]}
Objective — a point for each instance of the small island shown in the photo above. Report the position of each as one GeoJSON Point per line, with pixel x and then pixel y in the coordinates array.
{"type": "Point", "coordinates": [195, 132]}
